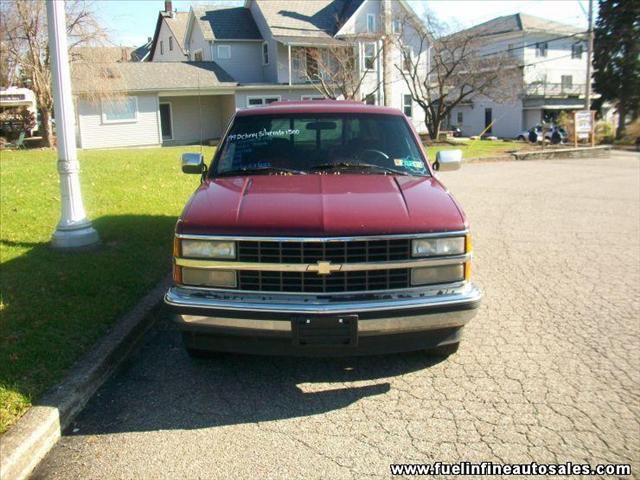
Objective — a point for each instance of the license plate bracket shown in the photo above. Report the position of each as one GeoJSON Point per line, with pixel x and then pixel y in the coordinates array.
{"type": "Point", "coordinates": [325, 331]}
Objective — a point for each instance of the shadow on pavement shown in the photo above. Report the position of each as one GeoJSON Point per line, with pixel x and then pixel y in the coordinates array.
{"type": "Point", "coordinates": [162, 388]}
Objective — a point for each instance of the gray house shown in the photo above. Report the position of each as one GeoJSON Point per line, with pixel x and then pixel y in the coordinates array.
{"type": "Point", "coordinates": [209, 62]}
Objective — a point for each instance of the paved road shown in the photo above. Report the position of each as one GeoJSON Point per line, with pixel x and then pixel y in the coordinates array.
{"type": "Point", "coordinates": [549, 370]}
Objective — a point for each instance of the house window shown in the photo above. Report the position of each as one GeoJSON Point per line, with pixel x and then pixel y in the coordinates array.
{"type": "Point", "coordinates": [371, 23]}
{"type": "Point", "coordinates": [224, 52]}
{"type": "Point", "coordinates": [576, 50]}
{"type": "Point", "coordinates": [566, 82]}
{"type": "Point", "coordinates": [312, 62]}
{"type": "Point", "coordinates": [370, 99]}
{"type": "Point", "coordinates": [171, 44]}
{"type": "Point", "coordinates": [407, 105]}
{"type": "Point", "coordinates": [460, 118]}
{"type": "Point", "coordinates": [123, 110]}
{"type": "Point", "coordinates": [407, 65]}
{"type": "Point", "coordinates": [541, 49]}
{"type": "Point", "coordinates": [312, 97]}
{"type": "Point", "coordinates": [257, 101]}
{"type": "Point", "coordinates": [197, 56]}
{"type": "Point", "coordinates": [161, 47]}
{"type": "Point", "coordinates": [265, 53]}
{"type": "Point", "coordinates": [370, 56]}
{"type": "Point", "coordinates": [396, 25]}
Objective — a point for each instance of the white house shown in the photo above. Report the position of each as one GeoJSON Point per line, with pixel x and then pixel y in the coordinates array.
{"type": "Point", "coordinates": [552, 61]}
{"type": "Point", "coordinates": [238, 57]}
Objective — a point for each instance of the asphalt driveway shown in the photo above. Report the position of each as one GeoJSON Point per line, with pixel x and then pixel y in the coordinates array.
{"type": "Point", "coordinates": [549, 370]}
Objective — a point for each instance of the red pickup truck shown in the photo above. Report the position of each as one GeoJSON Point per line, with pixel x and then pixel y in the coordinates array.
{"type": "Point", "coordinates": [320, 228]}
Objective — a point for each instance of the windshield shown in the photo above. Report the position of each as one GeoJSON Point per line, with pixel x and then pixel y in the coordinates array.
{"type": "Point", "coordinates": [290, 144]}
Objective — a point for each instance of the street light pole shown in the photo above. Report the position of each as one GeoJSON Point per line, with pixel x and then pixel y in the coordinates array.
{"type": "Point", "coordinates": [74, 229]}
{"type": "Point", "coordinates": [587, 95]}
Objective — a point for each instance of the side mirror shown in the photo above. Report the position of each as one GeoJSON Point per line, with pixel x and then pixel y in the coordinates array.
{"type": "Point", "coordinates": [192, 163]}
{"type": "Point", "coordinates": [448, 160]}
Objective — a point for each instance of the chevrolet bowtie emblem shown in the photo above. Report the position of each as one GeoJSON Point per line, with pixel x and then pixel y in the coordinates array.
{"type": "Point", "coordinates": [324, 268]}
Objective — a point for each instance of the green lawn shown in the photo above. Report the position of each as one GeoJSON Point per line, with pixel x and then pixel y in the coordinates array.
{"type": "Point", "coordinates": [479, 148]}
{"type": "Point", "coordinates": [54, 305]}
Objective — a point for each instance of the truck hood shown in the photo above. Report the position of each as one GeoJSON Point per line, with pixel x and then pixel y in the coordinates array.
{"type": "Point", "coordinates": [321, 205]}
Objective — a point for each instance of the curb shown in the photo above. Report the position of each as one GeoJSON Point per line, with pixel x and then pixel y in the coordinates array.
{"type": "Point", "coordinates": [29, 440]}
{"type": "Point", "coordinates": [553, 153]}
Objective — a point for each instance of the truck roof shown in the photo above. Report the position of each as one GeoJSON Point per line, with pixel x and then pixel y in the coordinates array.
{"type": "Point", "coordinates": [318, 106]}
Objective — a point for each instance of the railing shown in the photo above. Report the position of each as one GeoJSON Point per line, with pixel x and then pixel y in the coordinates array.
{"type": "Point", "coordinates": [547, 89]}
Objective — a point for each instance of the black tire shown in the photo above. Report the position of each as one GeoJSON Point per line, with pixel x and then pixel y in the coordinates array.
{"type": "Point", "coordinates": [443, 350]}
{"type": "Point", "coordinates": [521, 138]}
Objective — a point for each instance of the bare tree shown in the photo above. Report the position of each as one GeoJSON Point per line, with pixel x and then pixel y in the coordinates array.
{"type": "Point", "coordinates": [335, 71]}
{"type": "Point", "coordinates": [26, 46]}
{"type": "Point", "coordinates": [443, 71]}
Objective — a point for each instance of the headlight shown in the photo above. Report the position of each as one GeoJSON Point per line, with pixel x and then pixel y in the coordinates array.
{"type": "Point", "coordinates": [200, 277]}
{"type": "Point", "coordinates": [434, 247]}
{"type": "Point", "coordinates": [435, 275]}
{"type": "Point", "coordinates": [208, 249]}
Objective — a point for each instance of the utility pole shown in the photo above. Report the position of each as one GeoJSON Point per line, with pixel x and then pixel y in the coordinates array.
{"type": "Point", "coordinates": [74, 229]}
{"type": "Point", "coordinates": [587, 94]}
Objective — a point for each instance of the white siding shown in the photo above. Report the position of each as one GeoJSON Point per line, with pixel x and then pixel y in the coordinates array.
{"type": "Point", "coordinates": [193, 117]}
{"type": "Point", "coordinates": [270, 71]}
{"type": "Point", "coordinates": [175, 55]}
{"type": "Point", "coordinates": [245, 64]}
{"type": "Point", "coordinates": [507, 118]}
{"type": "Point", "coordinates": [96, 134]}
{"type": "Point", "coordinates": [195, 41]}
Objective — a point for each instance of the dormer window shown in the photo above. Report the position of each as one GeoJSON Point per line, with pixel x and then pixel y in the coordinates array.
{"type": "Point", "coordinates": [265, 53]}
{"type": "Point", "coordinates": [171, 44]}
{"type": "Point", "coordinates": [371, 23]}
{"type": "Point", "coordinates": [161, 47]}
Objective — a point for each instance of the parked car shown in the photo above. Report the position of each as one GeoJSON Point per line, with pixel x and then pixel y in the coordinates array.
{"type": "Point", "coordinates": [320, 228]}
{"type": "Point", "coordinates": [553, 134]}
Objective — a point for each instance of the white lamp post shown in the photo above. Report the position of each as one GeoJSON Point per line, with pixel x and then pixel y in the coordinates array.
{"type": "Point", "coordinates": [74, 229]}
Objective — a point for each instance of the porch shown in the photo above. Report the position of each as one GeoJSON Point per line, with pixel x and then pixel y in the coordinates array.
{"type": "Point", "coordinates": [193, 119]}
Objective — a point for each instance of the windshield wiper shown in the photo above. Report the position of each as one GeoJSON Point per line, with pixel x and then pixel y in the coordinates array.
{"type": "Point", "coordinates": [259, 170]}
{"type": "Point", "coordinates": [347, 165]}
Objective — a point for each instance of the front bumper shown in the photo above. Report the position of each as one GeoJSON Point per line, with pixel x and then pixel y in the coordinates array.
{"type": "Point", "coordinates": [400, 320]}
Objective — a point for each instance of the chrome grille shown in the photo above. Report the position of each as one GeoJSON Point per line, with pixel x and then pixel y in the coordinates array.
{"type": "Point", "coordinates": [311, 282]}
{"type": "Point", "coordinates": [335, 252]}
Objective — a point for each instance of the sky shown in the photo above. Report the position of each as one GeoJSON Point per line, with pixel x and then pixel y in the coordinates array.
{"type": "Point", "coordinates": [131, 22]}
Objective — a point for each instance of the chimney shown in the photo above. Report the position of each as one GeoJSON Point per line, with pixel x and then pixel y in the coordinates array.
{"type": "Point", "coordinates": [167, 6]}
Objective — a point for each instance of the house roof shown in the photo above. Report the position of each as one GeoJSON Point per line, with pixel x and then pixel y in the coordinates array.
{"type": "Point", "coordinates": [519, 22]}
{"type": "Point", "coordinates": [219, 23]}
{"type": "Point", "coordinates": [141, 53]}
{"type": "Point", "coordinates": [149, 76]}
{"type": "Point", "coordinates": [101, 54]}
{"type": "Point", "coordinates": [307, 18]}
{"type": "Point", "coordinates": [177, 23]}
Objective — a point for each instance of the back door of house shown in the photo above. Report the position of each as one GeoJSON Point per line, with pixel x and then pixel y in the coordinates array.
{"type": "Point", "coordinates": [166, 121]}
{"type": "Point", "coordinates": [488, 119]}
